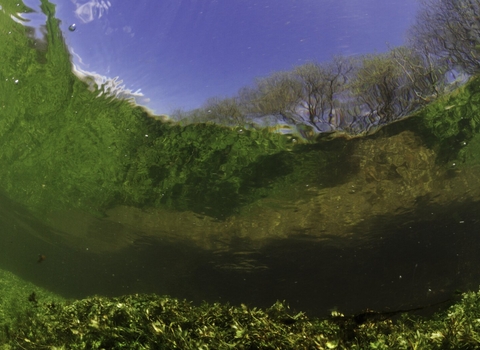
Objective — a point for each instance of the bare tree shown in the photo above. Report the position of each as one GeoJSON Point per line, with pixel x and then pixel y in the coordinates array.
{"type": "Point", "coordinates": [424, 73]}
{"type": "Point", "coordinates": [311, 79]}
{"type": "Point", "coordinates": [339, 71]}
{"type": "Point", "coordinates": [278, 94]}
{"type": "Point", "coordinates": [305, 95]}
{"type": "Point", "coordinates": [380, 88]}
{"type": "Point", "coordinates": [450, 29]}
{"type": "Point", "coordinates": [224, 111]}
{"type": "Point", "coordinates": [321, 86]}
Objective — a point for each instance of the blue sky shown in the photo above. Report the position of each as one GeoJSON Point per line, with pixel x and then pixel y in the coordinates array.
{"type": "Point", "coordinates": [181, 52]}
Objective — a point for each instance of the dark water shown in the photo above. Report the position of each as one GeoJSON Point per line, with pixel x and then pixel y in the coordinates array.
{"type": "Point", "coordinates": [389, 264]}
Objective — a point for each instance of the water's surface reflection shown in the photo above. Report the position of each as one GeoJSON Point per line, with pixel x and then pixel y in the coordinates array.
{"type": "Point", "coordinates": [387, 264]}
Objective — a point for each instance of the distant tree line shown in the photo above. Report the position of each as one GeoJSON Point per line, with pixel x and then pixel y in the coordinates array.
{"type": "Point", "coordinates": [354, 94]}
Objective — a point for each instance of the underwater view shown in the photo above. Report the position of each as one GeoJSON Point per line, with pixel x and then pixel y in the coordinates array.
{"type": "Point", "coordinates": [246, 179]}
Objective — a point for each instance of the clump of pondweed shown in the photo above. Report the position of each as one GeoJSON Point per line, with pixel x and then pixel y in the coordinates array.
{"type": "Point", "coordinates": [153, 322]}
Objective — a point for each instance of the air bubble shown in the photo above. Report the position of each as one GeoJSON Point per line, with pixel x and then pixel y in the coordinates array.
{"type": "Point", "coordinates": [72, 27]}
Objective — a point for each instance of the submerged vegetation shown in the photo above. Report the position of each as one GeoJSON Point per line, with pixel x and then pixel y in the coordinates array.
{"type": "Point", "coordinates": [59, 154]}
{"type": "Point", "coordinates": [161, 322]}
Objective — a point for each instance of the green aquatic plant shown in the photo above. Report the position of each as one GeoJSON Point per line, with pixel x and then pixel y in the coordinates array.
{"type": "Point", "coordinates": [154, 322]}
